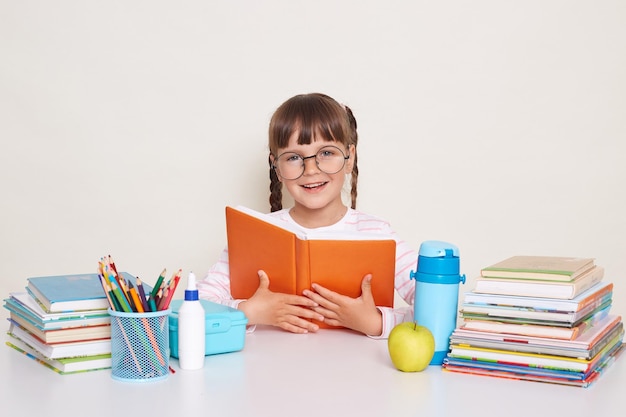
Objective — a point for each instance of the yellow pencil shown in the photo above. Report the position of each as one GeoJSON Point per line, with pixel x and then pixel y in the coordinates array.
{"type": "Point", "coordinates": [106, 291]}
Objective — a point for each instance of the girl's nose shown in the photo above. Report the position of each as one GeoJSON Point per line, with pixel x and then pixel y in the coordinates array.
{"type": "Point", "coordinates": [311, 167]}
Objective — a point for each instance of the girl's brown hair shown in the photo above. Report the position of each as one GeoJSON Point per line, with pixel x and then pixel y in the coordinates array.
{"type": "Point", "coordinates": [313, 116]}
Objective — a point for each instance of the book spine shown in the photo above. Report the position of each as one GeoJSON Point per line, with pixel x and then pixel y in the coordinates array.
{"type": "Point", "coordinates": [596, 276]}
{"type": "Point", "coordinates": [596, 300]}
{"type": "Point", "coordinates": [562, 333]}
{"type": "Point", "coordinates": [303, 265]}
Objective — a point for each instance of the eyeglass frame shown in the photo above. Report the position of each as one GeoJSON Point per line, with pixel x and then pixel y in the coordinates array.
{"type": "Point", "coordinates": [304, 158]}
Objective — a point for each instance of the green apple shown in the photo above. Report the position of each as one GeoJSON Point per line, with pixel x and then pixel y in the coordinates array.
{"type": "Point", "coordinates": [411, 347]}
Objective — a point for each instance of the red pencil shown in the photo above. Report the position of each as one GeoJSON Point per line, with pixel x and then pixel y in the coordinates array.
{"type": "Point", "coordinates": [172, 289]}
{"type": "Point", "coordinates": [110, 261]}
{"type": "Point", "coordinates": [163, 298]}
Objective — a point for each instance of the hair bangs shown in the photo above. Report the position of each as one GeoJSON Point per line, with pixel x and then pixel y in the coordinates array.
{"type": "Point", "coordinates": [313, 117]}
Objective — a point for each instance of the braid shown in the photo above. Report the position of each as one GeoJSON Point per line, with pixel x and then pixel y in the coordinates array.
{"type": "Point", "coordinates": [354, 179]}
{"type": "Point", "coordinates": [276, 190]}
{"type": "Point", "coordinates": [354, 138]}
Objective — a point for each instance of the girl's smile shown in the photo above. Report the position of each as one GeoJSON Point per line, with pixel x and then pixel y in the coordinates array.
{"type": "Point", "coordinates": [314, 187]}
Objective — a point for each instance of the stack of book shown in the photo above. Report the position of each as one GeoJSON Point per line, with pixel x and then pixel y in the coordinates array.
{"type": "Point", "coordinates": [538, 318]}
{"type": "Point", "coordinates": [62, 322]}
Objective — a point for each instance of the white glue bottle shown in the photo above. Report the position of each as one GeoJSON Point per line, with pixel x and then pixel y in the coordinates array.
{"type": "Point", "coordinates": [191, 328]}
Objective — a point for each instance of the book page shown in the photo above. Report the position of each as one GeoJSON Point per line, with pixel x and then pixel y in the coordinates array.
{"type": "Point", "coordinates": [314, 234]}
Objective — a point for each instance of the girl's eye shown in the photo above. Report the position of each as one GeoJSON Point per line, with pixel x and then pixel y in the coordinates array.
{"type": "Point", "coordinates": [326, 153]}
{"type": "Point", "coordinates": [293, 158]}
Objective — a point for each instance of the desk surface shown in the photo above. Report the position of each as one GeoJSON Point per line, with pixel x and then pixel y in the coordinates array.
{"type": "Point", "coordinates": [331, 373]}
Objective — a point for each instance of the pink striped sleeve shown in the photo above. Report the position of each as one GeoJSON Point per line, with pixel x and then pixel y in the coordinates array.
{"type": "Point", "coordinates": [392, 317]}
{"type": "Point", "coordinates": [215, 286]}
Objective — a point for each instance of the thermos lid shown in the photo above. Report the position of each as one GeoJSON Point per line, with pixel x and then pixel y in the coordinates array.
{"type": "Point", "coordinates": [437, 249]}
{"type": "Point", "coordinates": [438, 263]}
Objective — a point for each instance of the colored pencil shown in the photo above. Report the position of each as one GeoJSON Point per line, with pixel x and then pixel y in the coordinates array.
{"type": "Point", "coordinates": [112, 264]}
{"type": "Point", "coordinates": [120, 298]}
{"type": "Point", "coordinates": [172, 289]}
{"type": "Point", "coordinates": [157, 286]}
{"type": "Point", "coordinates": [115, 305]}
{"type": "Point", "coordinates": [129, 344]}
{"type": "Point", "coordinates": [106, 292]}
{"type": "Point", "coordinates": [163, 298]}
{"type": "Point", "coordinates": [123, 287]}
{"type": "Point", "coordinates": [136, 301]}
{"type": "Point", "coordinates": [153, 341]}
{"type": "Point", "coordinates": [142, 295]}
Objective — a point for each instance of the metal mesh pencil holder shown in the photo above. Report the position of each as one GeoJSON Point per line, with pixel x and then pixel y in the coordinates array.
{"type": "Point", "coordinates": [140, 347]}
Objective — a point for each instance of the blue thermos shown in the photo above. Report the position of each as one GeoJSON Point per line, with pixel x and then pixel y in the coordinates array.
{"type": "Point", "coordinates": [437, 292]}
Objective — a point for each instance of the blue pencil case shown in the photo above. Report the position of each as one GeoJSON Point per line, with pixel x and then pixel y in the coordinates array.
{"type": "Point", "coordinates": [225, 328]}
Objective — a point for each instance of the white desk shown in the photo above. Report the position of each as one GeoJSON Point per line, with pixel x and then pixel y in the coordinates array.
{"type": "Point", "coordinates": [331, 373]}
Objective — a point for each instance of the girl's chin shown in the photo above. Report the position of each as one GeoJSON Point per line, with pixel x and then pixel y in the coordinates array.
{"type": "Point", "coordinates": [311, 203]}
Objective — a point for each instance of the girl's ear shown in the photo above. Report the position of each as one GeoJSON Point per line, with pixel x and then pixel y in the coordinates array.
{"type": "Point", "coordinates": [271, 161]}
{"type": "Point", "coordinates": [350, 161]}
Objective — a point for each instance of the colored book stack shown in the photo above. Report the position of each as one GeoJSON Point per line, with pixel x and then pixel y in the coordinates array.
{"type": "Point", "coordinates": [62, 322]}
{"type": "Point", "coordinates": [538, 318]}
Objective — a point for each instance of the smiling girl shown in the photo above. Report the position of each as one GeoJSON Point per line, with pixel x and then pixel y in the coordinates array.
{"type": "Point", "coordinates": [312, 144]}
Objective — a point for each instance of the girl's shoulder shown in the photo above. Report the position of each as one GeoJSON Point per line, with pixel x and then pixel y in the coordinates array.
{"type": "Point", "coordinates": [366, 222]}
{"type": "Point", "coordinates": [280, 214]}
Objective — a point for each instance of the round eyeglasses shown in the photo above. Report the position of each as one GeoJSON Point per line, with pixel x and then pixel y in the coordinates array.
{"type": "Point", "coordinates": [329, 160]}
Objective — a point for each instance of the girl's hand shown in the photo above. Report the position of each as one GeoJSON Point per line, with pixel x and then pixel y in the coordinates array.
{"type": "Point", "coordinates": [289, 312]}
{"type": "Point", "coordinates": [358, 314]}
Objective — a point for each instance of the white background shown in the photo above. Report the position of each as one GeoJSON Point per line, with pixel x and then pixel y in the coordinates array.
{"type": "Point", "coordinates": [127, 126]}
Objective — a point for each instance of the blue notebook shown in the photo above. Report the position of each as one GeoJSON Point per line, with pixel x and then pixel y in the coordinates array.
{"type": "Point", "coordinates": [70, 292]}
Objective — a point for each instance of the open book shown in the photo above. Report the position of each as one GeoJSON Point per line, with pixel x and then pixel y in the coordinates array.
{"type": "Point", "coordinates": [293, 260]}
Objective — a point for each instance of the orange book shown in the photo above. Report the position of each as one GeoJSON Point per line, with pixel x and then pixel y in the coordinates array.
{"type": "Point", "coordinates": [293, 260]}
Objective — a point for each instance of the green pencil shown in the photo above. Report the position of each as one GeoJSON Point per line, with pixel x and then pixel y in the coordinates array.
{"type": "Point", "coordinates": [120, 298]}
{"type": "Point", "coordinates": [155, 290]}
